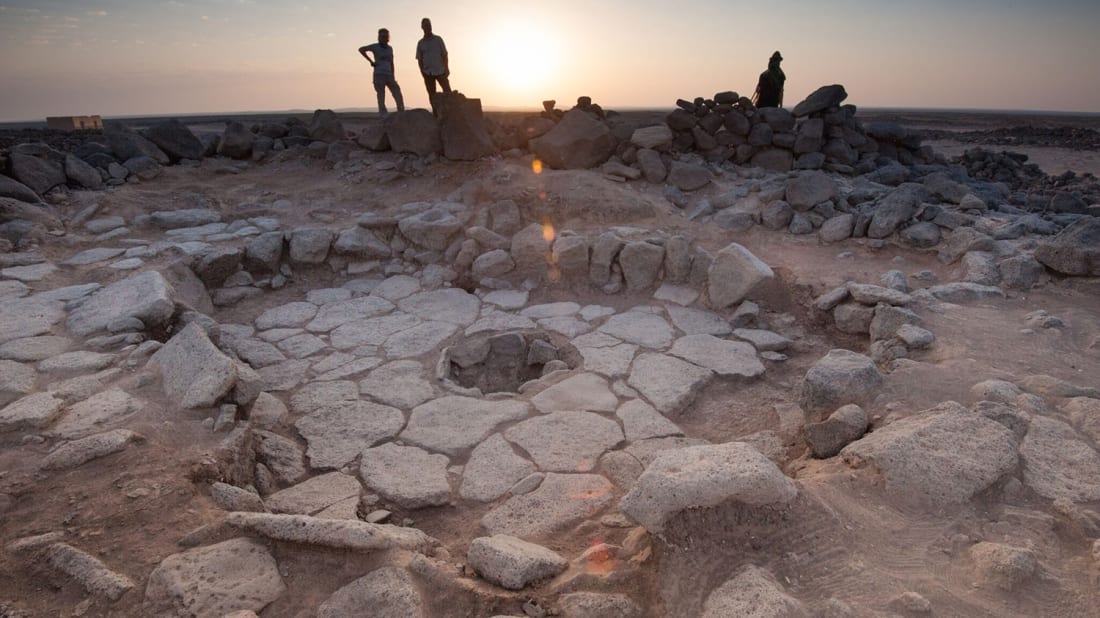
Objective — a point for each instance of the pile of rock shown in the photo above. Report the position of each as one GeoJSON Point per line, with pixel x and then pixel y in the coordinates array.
{"type": "Point", "coordinates": [818, 133]}
{"type": "Point", "coordinates": [460, 133]}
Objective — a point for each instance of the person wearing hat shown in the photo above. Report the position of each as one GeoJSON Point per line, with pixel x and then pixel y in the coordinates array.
{"type": "Point", "coordinates": [769, 90]}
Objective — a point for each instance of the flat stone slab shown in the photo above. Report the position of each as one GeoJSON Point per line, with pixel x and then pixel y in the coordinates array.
{"type": "Point", "coordinates": [87, 570]}
{"type": "Point", "coordinates": [613, 361]}
{"type": "Point", "coordinates": [702, 476]}
{"type": "Point", "coordinates": [408, 476]}
{"type": "Point", "coordinates": [28, 317]}
{"type": "Point", "coordinates": [302, 346]}
{"type": "Point", "coordinates": [763, 340]}
{"type": "Point", "coordinates": [339, 313]}
{"type": "Point", "coordinates": [586, 391]}
{"type": "Point", "coordinates": [644, 329]}
{"type": "Point", "coordinates": [551, 310]}
{"type": "Point", "coordinates": [290, 315]}
{"type": "Point", "coordinates": [699, 321]}
{"type": "Point", "coordinates": [678, 294]}
{"type": "Point", "coordinates": [94, 255]}
{"type": "Point", "coordinates": [940, 457]}
{"type": "Point", "coordinates": [396, 287]}
{"type": "Point", "coordinates": [145, 296]}
{"type": "Point", "coordinates": [16, 380]}
{"type": "Point", "coordinates": [492, 470]}
{"type": "Point", "coordinates": [451, 305]}
{"type": "Point", "coordinates": [642, 421]}
{"type": "Point", "coordinates": [418, 340]}
{"type": "Point", "coordinates": [315, 495]}
{"type": "Point", "coordinates": [346, 534]}
{"type": "Point", "coordinates": [79, 452]}
{"type": "Point", "coordinates": [508, 300]}
{"type": "Point", "coordinates": [33, 349]}
{"type": "Point", "coordinates": [29, 273]}
{"type": "Point", "coordinates": [238, 574]}
{"type": "Point", "coordinates": [453, 424]}
{"type": "Point", "coordinates": [371, 331]}
{"type": "Point", "coordinates": [499, 321]}
{"type": "Point", "coordinates": [566, 441]}
{"type": "Point", "coordinates": [401, 384]}
{"type": "Point", "coordinates": [722, 356]}
{"type": "Point", "coordinates": [338, 433]}
{"type": "Point", "coordinates": [669, 383]}
{"type": "Point", "coordinates": [350, 369]}
{"type": "Point", "coordinates": [871, 295]}
{"type": "Point", "coordinates": [389, 592]}
{"type": "Point", "coordinates": [568, 326]}
{"type": "Point", "coordinates": [96, 412]}
{"type": "Point", "coordinates": [560, 502]}
{"type": "Point", "coordinates": [76, 362]}
{"type": "Point", "coordinates": [284, 376]}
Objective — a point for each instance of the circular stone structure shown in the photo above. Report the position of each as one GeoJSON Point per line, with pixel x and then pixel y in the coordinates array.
{"type": "Point", "coordinates": [497, 362]}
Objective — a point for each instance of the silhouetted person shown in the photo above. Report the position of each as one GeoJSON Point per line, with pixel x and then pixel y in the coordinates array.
{"type": "Point", "coordinates": [383, 71]}
{"type": "Point", "coordinates": [769, 90]}
{"type": "Point", "coordinates": [431, 53]}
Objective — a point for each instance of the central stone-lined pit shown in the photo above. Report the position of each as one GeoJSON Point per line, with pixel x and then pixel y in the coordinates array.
{"type": "Point", "coordinates": [502, 362]}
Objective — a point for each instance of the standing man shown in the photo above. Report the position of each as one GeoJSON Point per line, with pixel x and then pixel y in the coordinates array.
{"type": "Point", "coordinates": [431, 54]}
{"type": "Point", "coordinates": [769, 90]}
{"type": "Point", "coordinates": [383, 71]}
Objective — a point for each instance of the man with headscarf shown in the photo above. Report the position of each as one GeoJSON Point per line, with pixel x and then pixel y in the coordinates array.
{"type": "Point", "coordinates": [431, 54]}
{"type": "Point", "coordinates": [769, 90]}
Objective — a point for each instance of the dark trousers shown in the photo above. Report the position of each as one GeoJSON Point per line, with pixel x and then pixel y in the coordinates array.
{"type": "Point", "coordinates": [381, 82]}
{"type": "Point", "coordinates": [430, 82]}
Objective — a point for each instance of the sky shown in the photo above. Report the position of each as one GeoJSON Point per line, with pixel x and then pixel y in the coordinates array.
{"type": "Point", "coordinates": [136, 57]}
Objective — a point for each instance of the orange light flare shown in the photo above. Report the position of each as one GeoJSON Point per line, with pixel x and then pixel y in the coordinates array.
{"type": "Point", "coordinates": [599, 558]}
{"type": "Point", "coordinates": [536, 167]}
{"type": "Point", "coordinates": [548, 233]}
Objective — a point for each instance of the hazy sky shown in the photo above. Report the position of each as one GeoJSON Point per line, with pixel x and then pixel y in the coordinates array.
{"type": "Point", "coordinates": [120, 57]}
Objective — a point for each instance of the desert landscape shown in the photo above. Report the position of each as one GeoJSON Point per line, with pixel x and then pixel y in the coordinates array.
{"type": "Point", "coordinates": [716, 361]}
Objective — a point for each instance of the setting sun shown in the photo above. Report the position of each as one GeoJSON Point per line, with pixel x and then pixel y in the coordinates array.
{"type": "Point", "coordinates": [519, 56]}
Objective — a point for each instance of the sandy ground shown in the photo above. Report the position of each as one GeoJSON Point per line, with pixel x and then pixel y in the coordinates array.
{"type": "Point", "coordinates": [846, 538]}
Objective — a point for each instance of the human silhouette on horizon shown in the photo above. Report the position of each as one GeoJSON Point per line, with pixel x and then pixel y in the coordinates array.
{"type": "Point", "coordinates": [431, 54]}
{"type": "Point", "coordinates": [769, 90]}
{"type": "Point", "coordinates": [384, 74]}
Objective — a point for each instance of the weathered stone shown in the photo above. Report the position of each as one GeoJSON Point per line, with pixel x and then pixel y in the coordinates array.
{"type": "Point", "coordinates": [964, 292]}
{"type": "Point", "coordinates": [433, 229]}
{"type": "Point", "coordinates": [415, 131]}
{"type": "Point", "coordinates": [87, 570]}
{"type": "Point", "coordinates": [337, 434]}
{"type": "Point", "coordinates": [699, 321]}
{"type": "Point", "coordinates": [642, 421]}
{"type": "Point", "coordinates": [837, 228]}
{"type": "Point", "coordinates": [585, 391]}
{"type": "Point", "coordinates": [668, 383]}
{"type": "Point", "coordinates": [215, 580]}
{"type": "Point", "coordinates": [405, 475]}
{"type": "Point", "coordinates": [734, 274]}
{"type": "Point", "coordinates": [820, 100]}
{"type": "Point", "coordinates": [753, 591]}
{"type": "Point", "coordinates": [450, 425]}
{"type": "Point", "coordinates": [560, 502]}
{"type": "Point", "coordinates": [578, 141]}
{"type": "Point", "coordinates": [840, 377]}
{"type": "Point", "coordinates": [334, 533]}
{"type": "Point", "coordinates": [722, 356]}
{"type": "Point", "coordinates": [705, 476]}
{"type": "Point", "coordinates": [236, 141]}
{"type": "Point", "coordinates": [175, 140]}
{"type": "Point", "coordinates": [1004, 566]}
{"type": "Point", "coordinates": [1021, 272]}
{"type": "Point", "coordinates": [513, 563]}
{"type": "Point", "coordinates": [887, 320]}
{"type": "Point", "coordinates": [872, 295]}
{"type": "Point", "coordinates": [314, 495]}
{"type": "Point", "coordinates": [310, 245]}
{"type": "Point", "coordinates": [844, 426]}
{"type": "Point", "coordinates": [654, 137]}
{"type": "Point", "coordinates": [493, 469]}
{"type": "Point", "coordinates": [81, 451]}
{"type": "Point", "coordinates": [644, 329]}
{"type": "Point", "coordinates": [688, 176]}
{"type": "Point", "coordinates": [389, 592]}
{"type": "Point", "coordinates": [264, 252]}
{"type": "Point", "coordinates": [1058, 464]}
{"type": "Point", "coordinates": [938, 458]}
{"type": "Point", "coordinates": [195, 373]}
{"type": "Point", "coordinates": [566, 441]}
{"type": "Point", "coordinates": [809, 189]}
{"type": "Point", "coordinates": [145, 296]}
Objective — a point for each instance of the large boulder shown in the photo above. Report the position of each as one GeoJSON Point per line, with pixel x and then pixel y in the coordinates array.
{"type": "Point", "coordinates": [1058, 463]}
{"type": "Point", "coordinates": [462, 129]}
{"type": "Point", "coordinates": [776, 159]}
{"type": "Point", "coordinates": [733, 274]}
{"type": "Point", "coordinates": [809, 189]}
{"type": "Point", "coordinates": [388, 592]}
{"type": "Point", "coordinates": [940, 457]}
{"type": "Point", "coordinates": [38, 173]}
{"type": "Point", "coordinates": [578, 141]}
{"type": "Point", "coordinates": [175, 139]}
{"type": "Point", "coordinates": [325, 126]}
{"type": "Point", "coordinates": [82, 174]}
{"type": "Point", "coordinates": [513, 563]}
{"type": "Point", "coordinates": [654, 137]}
{"type": "Point", "coordinates": [415, 131]}
{"type": "Point", "coordinates": [1075, 250]}
{"type": "Point", "coordinates": [895, 209]}
{"type": "Point", "coordinates": [127, 144]}
{"type": "Point", "coordinates": [688, 176]}
{"type": "Point", "coordinates": [12, 188]}
{"type": "Point", "coordinates": [705, 476]}
{"type": "Point", "coordinates": [820, 100]}
{"type": "Point", "coordinates": [146, 296]}
{"type": "Point", "coordinates": [236, 142]}
{"type": "Point", "coordinates": [195, 373]}
{"type": "Point", "coordinates": [841, 377]}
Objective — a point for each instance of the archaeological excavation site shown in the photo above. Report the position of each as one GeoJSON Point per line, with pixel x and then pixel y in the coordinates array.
{"type": "Point", "coordinates": [719, 362]}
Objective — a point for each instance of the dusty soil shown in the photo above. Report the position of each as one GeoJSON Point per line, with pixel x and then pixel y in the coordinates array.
{"type": "Point", "coordinates": [845, 538]}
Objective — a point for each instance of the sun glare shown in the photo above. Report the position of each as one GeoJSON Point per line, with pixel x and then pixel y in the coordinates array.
{"type": "Point", "coordinates": [520, 56]}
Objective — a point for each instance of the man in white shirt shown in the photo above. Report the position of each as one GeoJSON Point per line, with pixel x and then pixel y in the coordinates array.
{"type": "Point", "coordinates": [431, 54]}
{"type": "Point", "coordinates": [383, 71]}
